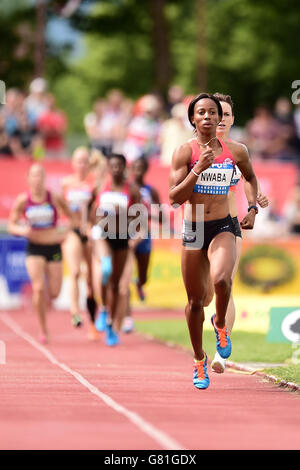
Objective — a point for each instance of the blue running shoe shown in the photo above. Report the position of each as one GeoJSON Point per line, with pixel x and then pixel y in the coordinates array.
{"type": "Point", "coordinates": [100, 322]}
{"type": "Point", "coordinates": [223, 340]}
{"type": "Point", "coordinates": [112, 339]}
{"type": "Point", "coordinates": [200, 377]}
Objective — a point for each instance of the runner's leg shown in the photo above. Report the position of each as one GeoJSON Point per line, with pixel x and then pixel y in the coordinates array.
{"type": "Point", "coordinates": [36, 268]}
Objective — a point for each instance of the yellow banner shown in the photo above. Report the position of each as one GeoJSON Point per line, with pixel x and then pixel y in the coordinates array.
{"type": "Point", "coordinates": [165, 288]}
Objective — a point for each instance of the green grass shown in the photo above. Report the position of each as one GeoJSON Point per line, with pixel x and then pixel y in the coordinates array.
{"type": "Point", "coordinates": [246, 347]}
{"type": "Point", "coordinates": [289, 373]}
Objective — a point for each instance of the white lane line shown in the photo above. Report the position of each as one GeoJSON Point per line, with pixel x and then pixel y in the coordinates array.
{"type": "Point", "coordinates": [165, 441]}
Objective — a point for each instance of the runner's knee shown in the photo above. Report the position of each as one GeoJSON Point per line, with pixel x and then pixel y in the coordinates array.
{"type": "Point", "coordinates": [222, 281]}
{"type": "Point", "coordinates": [38, 288]}
{"type": "Point", "coordinates": [196, 304]}
{"type": "Point", "coordinates": [75, 273]}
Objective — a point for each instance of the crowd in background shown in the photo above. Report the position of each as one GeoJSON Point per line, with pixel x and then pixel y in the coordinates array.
{"type": "Point", "coordinates": [154, 128]}
{"type": "Point", "coordinates": [32, 127]}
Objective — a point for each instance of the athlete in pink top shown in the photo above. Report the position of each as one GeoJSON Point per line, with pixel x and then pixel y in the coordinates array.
{"type": "Point", "coordinates": [78, 192]}
{"type": "Point", "coordinates": [110, 211]}
{"type": "Point", "coordinates": [223, 129]}
{"type": "Point", "coordinates": [40, 208]}
{"type": "Point", "coordinates": [208, 231]}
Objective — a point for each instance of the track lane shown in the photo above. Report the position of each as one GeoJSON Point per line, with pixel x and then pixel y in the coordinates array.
{"type": "Point", "coordinates": [53, 410]}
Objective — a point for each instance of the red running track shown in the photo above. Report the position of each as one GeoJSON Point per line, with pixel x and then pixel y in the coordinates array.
{"type": "Point", "coordinates": [77, 394]}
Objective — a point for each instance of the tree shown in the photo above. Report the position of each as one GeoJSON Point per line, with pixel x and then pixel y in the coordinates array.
{"type": "Point", "coordinates": [17, 44]}
{"type": "Point", "coordinates": [138, 32]}
{"type": "Point", "coordinates": [162, 72]}
{"type": "Point", "coordinates": [25, 51]}
{"type": "Point", "coordinates": [252, 50]}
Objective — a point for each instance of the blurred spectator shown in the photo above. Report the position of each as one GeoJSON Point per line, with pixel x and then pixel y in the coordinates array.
{"type": "Point", "coordinates": [24, 135]}
{"type": "Point", "coordinates": [292, 212]}
{"type": "Point", "coordinates": [92, 123]}
{"type": "Point", "coordinates": [10, 111]}
{"type": "Point", "coordinates": [283, 113]}
{"type": "Point", "coordinates": [111, 118]}
{"type": "Point", "coordinates": [174, 132]}
{"type": "Point", "coordinates": [120, 131]}
{"type": "Point", "coordinates": [36, 101]}
{"type": "Point", "coordinates": [175, 96]}
{"type": "Point", "coordinates": [52, 125]}
{"type": "Point", "coordinates": [143, 133]}
{"type": "Point", "coordinates": [19, 129]}
{"type": "Point", "coordinates": [104, 124]}
{"type": "Point", "coordinates": [263, 134]}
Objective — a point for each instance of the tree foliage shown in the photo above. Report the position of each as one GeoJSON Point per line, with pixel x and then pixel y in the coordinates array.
{"type": "Point", "coordinates": [17, 45]}
{"type": "Point", "coordinates": [251, 50]}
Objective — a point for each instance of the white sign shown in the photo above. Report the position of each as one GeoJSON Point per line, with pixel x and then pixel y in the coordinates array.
{"type": "Point", "coordinates": [290, 326]}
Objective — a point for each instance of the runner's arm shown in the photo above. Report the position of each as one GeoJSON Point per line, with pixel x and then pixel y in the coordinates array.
{"type": "Point", "coordinates": [61, 203]}
{"type": "Point", "coordinates": [14, 228]}
{"type": "Point", "coordinates": [262, 199]}
{"type": "Point", "coordinates": [181, 182]}
{"type": "Point", "coordinates": [243, 161]}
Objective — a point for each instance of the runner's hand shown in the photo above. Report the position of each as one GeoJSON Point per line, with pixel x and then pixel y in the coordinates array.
{"type": "Point", "coordinates": [205, 160]}
{"type": "Point", "coordinates": [248, 221]}
{"type": "Point", "coordinates": [262, 200]}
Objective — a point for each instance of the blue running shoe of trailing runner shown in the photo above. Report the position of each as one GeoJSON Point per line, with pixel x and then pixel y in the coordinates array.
{"type": "Point", "coordinates": [223, 340]}
{"type": "Point", "coordinates": [112, 339]}
{"type": "Point", "coordinates": [100, 322]}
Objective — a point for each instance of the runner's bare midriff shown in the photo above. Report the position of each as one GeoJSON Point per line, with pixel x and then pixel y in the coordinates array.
{"type": "Point", "coordinates": [214, 206]}
{"type": "Point", "coordinates": [48, 236]}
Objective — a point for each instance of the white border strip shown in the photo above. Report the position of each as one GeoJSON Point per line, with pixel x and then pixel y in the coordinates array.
{"type": "Point", "coordinates": [160, 437]}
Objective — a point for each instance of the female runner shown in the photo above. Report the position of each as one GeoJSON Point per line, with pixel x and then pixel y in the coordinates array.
{"type": "Point", "coordinates": [141, 251]}
{"type": "Point", "coordinates": [43, 256]}
{"type": "Point", "coordinates": [110, 211]}
{"type": "Point", "coordinates": [78, 191]}
{"type": "Point", "coordinates": [201, 172]}
{"type": "Point", "coordinates": [223, 129]}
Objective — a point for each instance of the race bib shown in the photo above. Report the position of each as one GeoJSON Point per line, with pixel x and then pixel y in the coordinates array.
{"type": "Point", "coordinates": [215, 180]}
